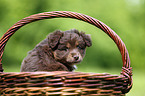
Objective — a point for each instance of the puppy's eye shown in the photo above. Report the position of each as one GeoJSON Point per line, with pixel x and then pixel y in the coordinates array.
{"type": "Point", "coordinates": [80, 47]}
{"type": "Point", "coordinates": [64, 48]}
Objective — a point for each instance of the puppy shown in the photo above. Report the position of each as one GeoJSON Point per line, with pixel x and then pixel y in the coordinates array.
{"type": "Point", "coordinates": [60, 51]}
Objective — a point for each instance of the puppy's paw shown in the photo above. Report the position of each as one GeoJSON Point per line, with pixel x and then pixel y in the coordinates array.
{"type": "Point", "coordinates": [57, 67]}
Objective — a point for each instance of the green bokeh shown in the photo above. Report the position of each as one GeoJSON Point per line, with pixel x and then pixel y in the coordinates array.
{"type": "Point", "coordinates": [125, 17]}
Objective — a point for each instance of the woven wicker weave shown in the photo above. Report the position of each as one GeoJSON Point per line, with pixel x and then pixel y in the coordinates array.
{"type": "Point", "coordinates": [65, 83]}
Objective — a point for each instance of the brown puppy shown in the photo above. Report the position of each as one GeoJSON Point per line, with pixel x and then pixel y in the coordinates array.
{"type": "Point", "coordinates": [58, 52]}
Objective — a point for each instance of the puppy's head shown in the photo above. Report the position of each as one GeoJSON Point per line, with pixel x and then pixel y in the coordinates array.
{"type": "Point", "coordinates": [69, 47]}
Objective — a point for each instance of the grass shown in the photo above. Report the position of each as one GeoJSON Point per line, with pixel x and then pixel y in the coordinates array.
{"type": "Point", "coordinates": [138, 78]}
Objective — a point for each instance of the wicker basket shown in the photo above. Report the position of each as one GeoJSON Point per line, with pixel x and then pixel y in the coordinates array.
{"type": "Point", "coordinates": [65, 83]}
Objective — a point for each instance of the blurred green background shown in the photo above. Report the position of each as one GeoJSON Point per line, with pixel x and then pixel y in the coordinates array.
{"type": "Point", "coordinates": [125, 17]}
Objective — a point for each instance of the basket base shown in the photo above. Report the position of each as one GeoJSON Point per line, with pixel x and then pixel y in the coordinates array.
{"type": "Point", "coordinates": [61, 91]}
{"type": "Point", "coordinates": [61, 84]}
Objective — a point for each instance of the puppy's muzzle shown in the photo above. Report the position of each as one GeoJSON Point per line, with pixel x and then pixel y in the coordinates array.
{"type": "Point", "coordinates": [74, 57]}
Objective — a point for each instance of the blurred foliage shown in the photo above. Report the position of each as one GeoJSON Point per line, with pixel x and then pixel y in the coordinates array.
{"type": "Point", "coordinates": [125, 17]}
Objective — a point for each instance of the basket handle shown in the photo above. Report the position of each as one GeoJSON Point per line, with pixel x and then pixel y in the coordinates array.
{"type": "Point", "coordinates": [126, 69]}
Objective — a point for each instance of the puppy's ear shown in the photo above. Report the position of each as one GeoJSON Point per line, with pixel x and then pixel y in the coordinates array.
{"type": "Point", "coordinates": [87, 39]}
{"type": "Point", "coordinates": [53, 38]}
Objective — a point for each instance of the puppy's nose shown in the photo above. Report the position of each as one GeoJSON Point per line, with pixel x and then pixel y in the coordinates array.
{"type": "Point", "coordinates": [76, 57]}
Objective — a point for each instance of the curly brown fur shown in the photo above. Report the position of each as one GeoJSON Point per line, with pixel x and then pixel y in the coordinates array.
{"type": "Point", "coordinates": [58, 52]}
